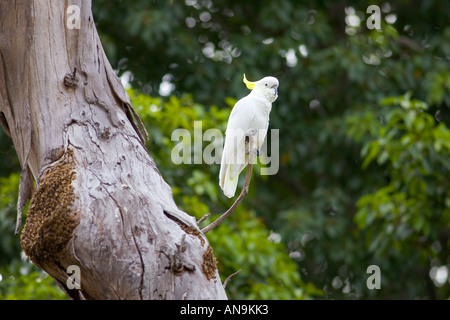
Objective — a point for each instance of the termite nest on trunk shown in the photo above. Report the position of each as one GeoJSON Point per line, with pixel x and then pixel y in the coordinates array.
{"type": "Point", "coordinates": [209, 263]}
{"type": "Point", "coordinates": [51, 218]}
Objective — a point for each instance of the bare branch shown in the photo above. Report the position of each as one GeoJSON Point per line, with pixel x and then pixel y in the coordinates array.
{"type": "Point", "coordinates": [203, 218]}
{"type": "Point", "coordinates": [244, 191]}
{"type": "Point", "coordinates": [229, 278]}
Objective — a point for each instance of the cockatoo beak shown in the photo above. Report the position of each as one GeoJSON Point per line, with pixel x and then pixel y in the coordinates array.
{"type": "Point", "coordinates": [249, 84]}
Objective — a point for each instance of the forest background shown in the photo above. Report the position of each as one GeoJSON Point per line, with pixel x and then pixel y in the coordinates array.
{"type": "Point", "coordinates": [364, 144]}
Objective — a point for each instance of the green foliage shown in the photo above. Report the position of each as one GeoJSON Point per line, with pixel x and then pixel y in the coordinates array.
{"type": "Point", "coordinates": [266, 271]}
{"type": "Point", "coordinates": [9, 244]}
{"type": "Point", "coordinates": [8, 158]}
{"type": "Point", "coordinates": [408, 217]}
{"type": "Point", "coordinates": [414, 150]}
{"type": "Point", "coordinates": [19, 279]}
{"type": "Point", "coordinates": [23, 281]}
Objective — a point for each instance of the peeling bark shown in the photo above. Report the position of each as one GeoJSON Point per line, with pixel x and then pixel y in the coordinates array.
{"type": "Point", "coordinates": [100, 202]}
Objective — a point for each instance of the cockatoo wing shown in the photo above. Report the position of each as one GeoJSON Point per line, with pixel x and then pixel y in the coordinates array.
{"type": "Point", "coordinates": [234, 157]}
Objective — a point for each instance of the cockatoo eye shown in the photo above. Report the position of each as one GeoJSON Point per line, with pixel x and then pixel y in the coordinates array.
{"type": "Point", "coordinates": [266, 84]}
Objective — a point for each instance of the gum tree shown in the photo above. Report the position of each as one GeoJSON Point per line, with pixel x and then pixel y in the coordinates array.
{"type": "Point", "coordinates": [98, 201]}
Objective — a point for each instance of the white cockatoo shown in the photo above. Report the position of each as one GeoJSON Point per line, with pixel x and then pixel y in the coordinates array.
{"type": "Point", "coordinates": [249, 114]}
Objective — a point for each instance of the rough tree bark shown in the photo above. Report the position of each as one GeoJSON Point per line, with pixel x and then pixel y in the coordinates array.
{"type": "Point", "coordinates": [99, 202]}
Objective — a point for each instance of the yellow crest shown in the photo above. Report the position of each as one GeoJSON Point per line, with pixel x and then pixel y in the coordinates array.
{"type": "Point", "coordinates": [249, 84]}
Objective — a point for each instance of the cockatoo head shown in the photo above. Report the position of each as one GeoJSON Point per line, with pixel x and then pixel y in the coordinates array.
{"type": "Point", "coordinates": [267, 87]}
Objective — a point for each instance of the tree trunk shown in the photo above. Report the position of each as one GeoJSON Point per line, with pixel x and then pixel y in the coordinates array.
{"type": "Point", "coordinates": [100, 202]}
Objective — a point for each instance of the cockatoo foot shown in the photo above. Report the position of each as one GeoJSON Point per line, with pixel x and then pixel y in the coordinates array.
{"type": "Point", "coordinates": [250, 133]}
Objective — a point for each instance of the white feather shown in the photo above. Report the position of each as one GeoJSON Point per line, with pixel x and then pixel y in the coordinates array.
{"type": "Point", "coordinates": [250, 112]}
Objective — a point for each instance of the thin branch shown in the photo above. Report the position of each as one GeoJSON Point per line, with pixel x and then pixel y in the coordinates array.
{"type": "Point", "coordinates": [203, 218]}
{"type": "Point", "coordinates": [407, 42]}
{"type": "Point", "coordinates": [244, 191]}
{"type": "Point", "coordinates": [229, 278]}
